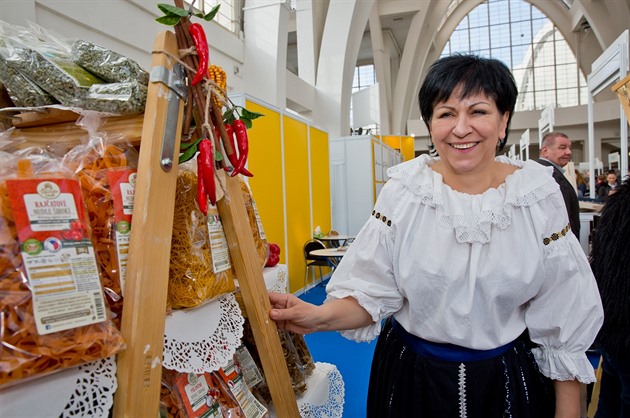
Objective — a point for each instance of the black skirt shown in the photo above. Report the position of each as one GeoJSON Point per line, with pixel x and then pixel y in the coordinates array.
{"type": "Point", "coordinates": [404, 383]}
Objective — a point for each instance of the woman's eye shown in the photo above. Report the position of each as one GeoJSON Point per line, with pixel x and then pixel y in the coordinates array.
{"type": "Point", "coordinates": [479, 112]}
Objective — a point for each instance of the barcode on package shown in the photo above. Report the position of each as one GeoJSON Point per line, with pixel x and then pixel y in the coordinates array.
{"type": "Point", "coordinates": [98, 305]}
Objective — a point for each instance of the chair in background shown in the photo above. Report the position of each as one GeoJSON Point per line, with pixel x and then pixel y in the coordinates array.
{"type": "Point", "coordinates": [313, 261]}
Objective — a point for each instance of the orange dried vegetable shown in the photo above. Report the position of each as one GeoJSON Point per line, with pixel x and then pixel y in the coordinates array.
{"type": "Point", "coordinates": [25, 352]}
{"type": "Point", "coordinates": [102, 172]}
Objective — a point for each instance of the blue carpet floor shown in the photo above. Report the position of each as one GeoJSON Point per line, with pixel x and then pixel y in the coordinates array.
{"type": "Point", "coordinates": [352, 359]}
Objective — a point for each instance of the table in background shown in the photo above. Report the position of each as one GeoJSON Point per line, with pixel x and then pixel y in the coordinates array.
{"type": "Point", "coordinates": [336, 240]}
{"type": "Point", "coordinates": [334, 255]}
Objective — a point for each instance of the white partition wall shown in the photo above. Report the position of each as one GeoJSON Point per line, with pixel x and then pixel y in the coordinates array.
{"type": "Point", "coordinates": [512, 152]}
{"type": "Point", "coordinates": [609, 68]}
{"type": "Point", "coordinates": [545, 123]}
{"type": "Point", "coordinates": [524, 146]}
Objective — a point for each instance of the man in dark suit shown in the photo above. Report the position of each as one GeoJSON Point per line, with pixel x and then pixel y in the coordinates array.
{"type": "Point", "coordinates": [556, 152]}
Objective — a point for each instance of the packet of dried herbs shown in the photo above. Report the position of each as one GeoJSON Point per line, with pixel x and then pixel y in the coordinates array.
{"type": "Point", "coordinates": [45, 59]}
{"type": "Point", "coordinates": [107, 64]}
{"type": "Point", "coordinates": [119, 98]}
{"type": "Point", "coordinates": [23, 92]}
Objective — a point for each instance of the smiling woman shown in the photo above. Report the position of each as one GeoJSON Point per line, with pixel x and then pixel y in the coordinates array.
{"type": "Point", "coordinates": [468, 118]}
{"type": "Point", "coordinates": [483, 303]}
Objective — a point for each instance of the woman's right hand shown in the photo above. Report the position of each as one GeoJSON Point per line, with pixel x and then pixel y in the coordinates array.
{"type": "Point", "coordinates": [293, 314]}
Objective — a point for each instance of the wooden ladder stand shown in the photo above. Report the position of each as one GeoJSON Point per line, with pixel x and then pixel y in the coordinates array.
{"type": "Point", "coordinates": [143, 318]}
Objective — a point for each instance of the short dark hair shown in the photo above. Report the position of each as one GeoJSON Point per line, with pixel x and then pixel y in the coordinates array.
{"type": "Point", "coordinates": [476, 75]}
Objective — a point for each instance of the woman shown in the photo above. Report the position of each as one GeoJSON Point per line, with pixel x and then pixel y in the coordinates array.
{"type": "Point", "coordinates": [608, 185]}
{"type": "Point", "coordinates": [610, 261]}
{"type": "Point", "coordinates": [488, 295]}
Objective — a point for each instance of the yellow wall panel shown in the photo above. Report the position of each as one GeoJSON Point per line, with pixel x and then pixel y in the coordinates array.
{"type": "Point", "coordinates": [320, 179]}
{"type": "Point", "coordinates": [298, 215]}
{"type": "Point", "coordinates": [405, 144]}
{"type": "Point", "coordinates": [265, 162]}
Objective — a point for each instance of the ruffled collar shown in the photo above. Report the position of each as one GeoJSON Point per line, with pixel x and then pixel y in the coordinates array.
{"type": "Point", "coordinates": [472, 216]}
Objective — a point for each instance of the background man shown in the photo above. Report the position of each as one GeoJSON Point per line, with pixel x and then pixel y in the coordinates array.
{"type": "Point", "coordinates": [556, 153]}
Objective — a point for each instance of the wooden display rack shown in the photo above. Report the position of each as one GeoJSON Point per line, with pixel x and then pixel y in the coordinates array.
{"type": "Point", "coordinates": [622, 88]}
{"type": "Point", "coordinates": [139, 366]}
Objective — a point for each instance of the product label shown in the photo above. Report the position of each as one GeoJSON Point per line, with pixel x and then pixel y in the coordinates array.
{"type": "Point", "coordinates": [198, 395]}
{"type": "Point", "coordinates": [259, 222]}
{"type": "Point", "coordinates": [57, 253]}
{"type": "Point", "coordinates": [251, 373]}
{"type": "Point", "coordinates": [218, 242]}
{"type": "Point", "coordinates": [251, 407]}
{"type": "Point", "coordinates": [123, 186]}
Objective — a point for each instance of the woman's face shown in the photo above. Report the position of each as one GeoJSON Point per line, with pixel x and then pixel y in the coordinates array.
{"type": "Point", "coordinates": [612, 178]}
{"type": "Point", "coordinates": [466, 131]}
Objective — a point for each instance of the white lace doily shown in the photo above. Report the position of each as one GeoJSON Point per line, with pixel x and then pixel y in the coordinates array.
{"type": "Point", "coordinates": [276, 278]}
{"type": "Point", "coordinates": [203, 339]}
{"type": "Point", "coordinates": [324, 396]}
{"type": "Point", "coordinates": [83, 391]}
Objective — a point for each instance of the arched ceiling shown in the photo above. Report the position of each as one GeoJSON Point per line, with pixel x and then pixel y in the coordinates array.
{"type": "Point", "coordinates": [420, 31]}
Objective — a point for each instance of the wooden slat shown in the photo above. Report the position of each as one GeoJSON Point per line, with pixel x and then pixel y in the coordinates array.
{"type": "Point", "coordinates": [123, 128]}
{"type": "Point", "coordinates": [140, 365]}
{"type": "Point", "coordinates": [254, 292]}
{"type": "Point", "coordinates": [622, 88]}
{"type": "Point", "coordinates": [43, 116]}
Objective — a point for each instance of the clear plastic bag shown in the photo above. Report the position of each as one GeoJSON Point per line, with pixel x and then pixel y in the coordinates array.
{"type": "Point", "coordinates": [107, 168]}
{"type": "Point", "coordinates": [54, 314]}
{"type": "Point", "coordinates": [107, 64]}
{"type": "Point", "coordinates": [200, 268]}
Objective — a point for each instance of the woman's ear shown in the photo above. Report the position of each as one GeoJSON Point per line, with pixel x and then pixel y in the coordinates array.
{"type": "Point", "coordinates": [503, 125]}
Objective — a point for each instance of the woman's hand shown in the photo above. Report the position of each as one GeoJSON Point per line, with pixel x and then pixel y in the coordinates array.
{"type": "Point", "coordinates": [293, 314]}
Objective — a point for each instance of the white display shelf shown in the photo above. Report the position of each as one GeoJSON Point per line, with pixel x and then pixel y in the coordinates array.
{"type": "Point", "coordinates": [205, 338]}
{"type": "Point", "coordinates": [82, 391]}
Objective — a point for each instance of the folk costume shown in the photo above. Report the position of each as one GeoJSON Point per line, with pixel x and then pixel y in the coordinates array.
{"type": "Point", "coordinates": [479, 300]}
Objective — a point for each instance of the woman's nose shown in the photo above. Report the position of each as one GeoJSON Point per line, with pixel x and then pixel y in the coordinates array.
{"type": "Point", "coordinates": [462, 126]}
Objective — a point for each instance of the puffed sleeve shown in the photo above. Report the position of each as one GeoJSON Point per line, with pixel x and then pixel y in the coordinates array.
{"type": "Point", "coordinates": [566, 314]}
{"type": "Point", "coordinates": [366, 272]}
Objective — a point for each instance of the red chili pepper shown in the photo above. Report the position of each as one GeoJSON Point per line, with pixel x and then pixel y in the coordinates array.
{"type": "Point", "coordinates": [233, 158]}
{"type": "Point", "coordinates": [202, 199]}
{"type": "Point", "coordinates": [240, 131]}
{"type": "Point", "coordinates": [206, 167]}
{"type": "Point", "coordinates": [246, 172]}
{"type": "Point", "coordinates": [201, 44]}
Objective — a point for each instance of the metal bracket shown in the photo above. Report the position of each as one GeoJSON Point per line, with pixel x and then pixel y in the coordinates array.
{"type": "Point", "coordinates": [175, 81]}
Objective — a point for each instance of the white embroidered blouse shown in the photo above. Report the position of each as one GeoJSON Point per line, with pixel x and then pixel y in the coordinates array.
{"type": "Point", "coordinates": [476, 270]}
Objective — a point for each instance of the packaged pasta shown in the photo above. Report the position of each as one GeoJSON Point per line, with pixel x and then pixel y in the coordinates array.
{"type": "Point", "coordinates": [255, 223]}
{"type": "Point", "coordinates": [191, 395]}
{"type": "Point", "coordinates": [200, 268]}
{"type": "Point", "coordinates": [107, 172]}
{"type": "Point", "coordinates": [230, 380]}
{"type": "Point", "coordinates": [299, 361]}
{"type": "Point", "coordinates": [54, 313]}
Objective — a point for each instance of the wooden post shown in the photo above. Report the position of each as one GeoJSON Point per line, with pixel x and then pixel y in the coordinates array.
{"type": "Point", "coordinates": [249, 273]}
{"type": "Point", "coordinates": [143, 318]}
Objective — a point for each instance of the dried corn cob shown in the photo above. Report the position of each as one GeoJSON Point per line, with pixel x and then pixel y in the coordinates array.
{"type": "Point", "coordinates": [217, 74]}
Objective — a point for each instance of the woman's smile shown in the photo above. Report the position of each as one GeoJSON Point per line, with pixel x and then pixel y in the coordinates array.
{"type": "Point", "coordinates": [464, 146]}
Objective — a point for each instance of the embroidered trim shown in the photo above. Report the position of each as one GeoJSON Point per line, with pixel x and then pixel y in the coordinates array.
{"type": "Point", "coordinates": [462, 391]}
{"type": "Point", "coordinates": [492, 209]}
{"type": "Point", "coordinates": [507, 413]}
{"type": "Point", "coordinates": [556, 235]}
{"type": "Point", "coordinates": [383, 218]}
